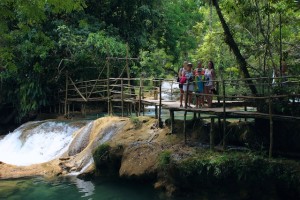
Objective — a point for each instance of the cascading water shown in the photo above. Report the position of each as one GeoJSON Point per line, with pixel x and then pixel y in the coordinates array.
{"type": "Point", "coordinates": [166, 95]}
{"type": "Point", "coordinates": [84, 152]}
{"type": "Point", "coordinates": [81, 140]}
{"type": "Point", "coordinates": [67, 145]}
{"type": "Point", "coordinates": [37, 142]}
{"type": "Point", "coordinates": [166, 88]}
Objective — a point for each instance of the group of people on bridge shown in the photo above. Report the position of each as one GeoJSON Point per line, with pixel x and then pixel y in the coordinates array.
{"type": "Point", "coordinates": [200, 80]}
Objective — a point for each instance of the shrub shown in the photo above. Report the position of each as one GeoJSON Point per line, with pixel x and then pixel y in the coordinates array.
{"type": "Point", "coordinates": [136, 122]}
{"type": "Point", "coordinates": [101, 154]}
{"type": "Point", "coordinates": [164, 159]}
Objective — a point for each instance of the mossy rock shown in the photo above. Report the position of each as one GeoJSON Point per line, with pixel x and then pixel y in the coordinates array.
{"type": "Point", "coordinates": [108, 159]}
{"type": "Point", "coordinates": [239, 171]}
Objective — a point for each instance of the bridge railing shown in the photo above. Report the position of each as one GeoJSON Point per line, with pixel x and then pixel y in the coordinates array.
{"type": "Point", "coordinates": [138, 89]}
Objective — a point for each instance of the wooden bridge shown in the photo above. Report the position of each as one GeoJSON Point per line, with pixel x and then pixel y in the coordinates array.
{"type": "Point", "coordinates": [131, 95]}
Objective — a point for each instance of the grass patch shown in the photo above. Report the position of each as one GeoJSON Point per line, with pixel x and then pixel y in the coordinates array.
{"type": "Point", "coordinates": [164, 159]}
{"type": "Point", "coordinates": [136, 122]}
{"type": "Point", "coordinates": [101, 154]}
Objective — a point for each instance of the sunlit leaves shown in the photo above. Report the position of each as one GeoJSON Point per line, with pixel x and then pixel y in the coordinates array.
{"type": "Point", "coordinates": [106, 45]}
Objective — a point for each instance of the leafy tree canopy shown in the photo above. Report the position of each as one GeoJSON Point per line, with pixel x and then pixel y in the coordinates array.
{"type": "Point", "coordinates": [41, 40]}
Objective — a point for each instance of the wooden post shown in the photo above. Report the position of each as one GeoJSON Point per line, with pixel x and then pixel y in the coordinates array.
{"type": "Point", "coordinates": [110, 105]}
{"type": "Point", "coordinates": [155, 81]}
{"type": "Point", "coordinates": [218, 89]}
{"type": "Point", "coordinates": [140, 97]}
{"type": "Point", "coordinates": [172, 120]}
{"type": "Point", "coordinates": [211, 133]}
{"type": "Point", "coordinates": [195, 116]}
{"type": "Point", "coordinates": [143, 109]}
{"type": "Point", "coordinates": [187, 94]}
{"type": "Point", "coordinates": [185, 111]}
{"type": "Point", "coordinates": [184, 127]}
{"type": "Point", "coordinates": [66, 94]}
{"type": "Point", "coordinates": [245, 109]}
{"type": "Point", "coordinates": [171, 90]}
{"type": "Point", "coordinates": [68, 110]}
{"type": "Point", "coordinates": [271, 128]}
{"type": "Point", "coordinates": [156, 112]}
{"type": "Point", "coordinates": [219, 124]}
{"type": "Point", "coordinates": [77, 90]}
{"type": "Point", "coordinates": [122, 97]}
{"type": "Point", "coordinates": [86, 90]}
{"type": "Point", "coordinates": [224, 115]}
{"type": "Point", "coordinates": [108, 89]}
{"type": "Point", "coordinates": [159, 111]}
{"type": "Point", "coordinates": [142, 93]}
{"type": "Point", "coordinates": [135, 109]}
{"type": "Point", "coordinates": [127, 64]}
{"type": "Point", "coordinates": [84, 109]}
{"type": "Point", "coordinates": [128, 109]}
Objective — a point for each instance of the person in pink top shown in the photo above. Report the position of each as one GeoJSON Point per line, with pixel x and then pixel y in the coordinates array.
{"type": "Point", "coordinates": [181, 73]}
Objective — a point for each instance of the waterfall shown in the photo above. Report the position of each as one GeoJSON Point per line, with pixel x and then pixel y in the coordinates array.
{"type": "Point", "coordinates": [36, 142]}
{"type": "Point", "coordinates": [81, 140]}
{"type": "Point", "coordinates": [166, 88]}
{"type": "Point", "coordinates": [84, 159]}
{"type": "Point", "coordinates": [68, 145]}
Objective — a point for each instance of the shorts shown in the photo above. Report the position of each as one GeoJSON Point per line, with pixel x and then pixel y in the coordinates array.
{"type": "Point", "coordinates": [180, 86]}
{"type": "Point", "coordinates": [208, 88]}
{"type": "Point", "coordinates": [191, 87]}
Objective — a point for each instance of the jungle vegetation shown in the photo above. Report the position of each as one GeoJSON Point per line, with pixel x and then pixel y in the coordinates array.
{"type": "Point", "coordinates": [41, 40]}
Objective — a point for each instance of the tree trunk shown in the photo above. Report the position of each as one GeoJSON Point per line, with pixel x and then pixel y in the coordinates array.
{"type": "Point", "coordinates": [232, 44]}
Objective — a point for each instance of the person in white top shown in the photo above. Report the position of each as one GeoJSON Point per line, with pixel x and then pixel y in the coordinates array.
{"type": "Point", "coordinates": [188, 86]}
{"type": "Point", "coordinates": [210, 76]}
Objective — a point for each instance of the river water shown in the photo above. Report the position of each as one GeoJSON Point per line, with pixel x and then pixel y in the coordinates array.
{"type": "Point", "coordinates": [43, 141]}
{"type": "Point", "coordinates": [38, 142]}
{"type": "Point", "coordinates": [72, 188]}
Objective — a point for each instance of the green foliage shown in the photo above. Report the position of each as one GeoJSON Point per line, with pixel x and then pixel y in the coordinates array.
{"type": "Point", "coordinates": [136, 122]}
{"type": "Point", "coordinates": [108, 159]}
{"type": "Point", "coordinates": [176, 33]}
{"type": "Point", "coordinates": [41, 40]}
{"type": "Point", "coordinates": [106, 45]}
{"type": "Point", "coordinates": [101, 155]}
{"type": "Point", "coordinates": [32, 96]}
{"type": "Point", "coordinates": [212, 169]}
{"type": "Point", "coordinates": [164, 159]}
{"type": "Point", "coordinates": [155, 63]}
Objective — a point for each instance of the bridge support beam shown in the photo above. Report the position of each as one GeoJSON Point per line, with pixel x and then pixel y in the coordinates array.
{"type": "Point", "coordinates": [211, 133]}
{"type": "Point", "coordinates": [172, 120]}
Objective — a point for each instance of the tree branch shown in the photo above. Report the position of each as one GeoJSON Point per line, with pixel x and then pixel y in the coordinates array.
{"type": "Point", "coordinates": [232, 44]}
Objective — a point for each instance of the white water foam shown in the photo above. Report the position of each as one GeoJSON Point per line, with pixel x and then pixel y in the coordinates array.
{"type": "Point", "coordinates": [166, 88]}
{"type": "Point", "coordinates": [106, 135]}
{"type": "Point", "coordinates": [29, 145]}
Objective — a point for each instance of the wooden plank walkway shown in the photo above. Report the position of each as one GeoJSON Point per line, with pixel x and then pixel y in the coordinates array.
{"type": "Point", "coordinates": [256, 115]}
{"type": "Point", "coordinates": [128, 94]}
{"type": "Point", "coordinates": [231, 112]}
{"type": "Point", "coordinates": [175, 106]}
